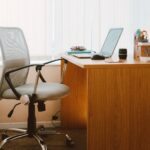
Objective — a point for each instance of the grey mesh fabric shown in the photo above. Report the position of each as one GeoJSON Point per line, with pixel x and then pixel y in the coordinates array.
{"type": "Point", "coordinates": [15, 54]}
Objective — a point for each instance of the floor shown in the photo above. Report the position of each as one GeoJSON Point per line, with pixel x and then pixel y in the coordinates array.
{"type": "Point", "coordinates": [54, 142]}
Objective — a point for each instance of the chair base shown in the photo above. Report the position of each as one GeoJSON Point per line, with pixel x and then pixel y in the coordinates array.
{"type": "Point", "coordinates": [69, 141]}
{"type": "Point", "coordinates": [22, 135]}
{"type": "Point", "coordinates": [6, 139]}
{"type": "Point", "coordinates": [32, 130]}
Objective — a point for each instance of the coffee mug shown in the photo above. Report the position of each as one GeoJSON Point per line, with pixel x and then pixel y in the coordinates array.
{"type": "Point", "coordinates": [122, 53]}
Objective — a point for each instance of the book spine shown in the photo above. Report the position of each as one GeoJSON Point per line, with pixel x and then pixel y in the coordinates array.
{"type": "Point", "coordinates": [78, 52]}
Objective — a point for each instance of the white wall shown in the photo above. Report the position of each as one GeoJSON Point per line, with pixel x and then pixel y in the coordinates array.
{"type": "Point", "coordinates": [52, 74]}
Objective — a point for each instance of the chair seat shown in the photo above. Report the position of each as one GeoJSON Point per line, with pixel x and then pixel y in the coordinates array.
{"type": "Point", "coordinates": [45, 91]}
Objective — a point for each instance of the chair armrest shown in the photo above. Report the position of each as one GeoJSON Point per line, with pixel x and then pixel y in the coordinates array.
{"type": "Point", "coordinates": [39, 67]}
{"type": "Point", "coordinates": [48, 62]}
{"type": "Point", "coordinates": [7, 77]}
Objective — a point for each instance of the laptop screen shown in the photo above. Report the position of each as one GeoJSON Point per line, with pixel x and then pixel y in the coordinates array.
{"type": "Point", "coordinates": [111, 42]}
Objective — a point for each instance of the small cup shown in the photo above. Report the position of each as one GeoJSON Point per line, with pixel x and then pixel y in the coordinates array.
{"type": "Point", "coordinates": [122, 53]}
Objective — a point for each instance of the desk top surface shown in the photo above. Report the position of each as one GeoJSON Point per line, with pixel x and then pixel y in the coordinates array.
{"type": "Point", "coordinates": [114, 62]}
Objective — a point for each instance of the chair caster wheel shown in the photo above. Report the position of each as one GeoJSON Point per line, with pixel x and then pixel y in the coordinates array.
{"type": "Point", "coordinates": [41, 128]}
{"type": "Point", "coordinates": [4, 136]}
{"type": "Point", "coordinates": [70, 143]}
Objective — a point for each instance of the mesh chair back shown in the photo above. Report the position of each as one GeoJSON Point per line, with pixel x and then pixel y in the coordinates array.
{"type": "Point", "coordinates": [14, 54]}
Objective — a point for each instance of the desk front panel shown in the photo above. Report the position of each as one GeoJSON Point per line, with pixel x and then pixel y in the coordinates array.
{"type": "Point", "coordinates": [119, 109]}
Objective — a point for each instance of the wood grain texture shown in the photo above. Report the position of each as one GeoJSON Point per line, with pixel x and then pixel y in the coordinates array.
{"type": "Point", "coordinates": [119, 109]}
{"type": "Point", "coordinates": [114, 102]}
{"type": "Point", "coordinates": [74, 106]}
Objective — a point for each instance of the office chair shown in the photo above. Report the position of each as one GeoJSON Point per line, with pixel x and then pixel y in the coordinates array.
{"type": "Point", "coordinates": [16, 64]}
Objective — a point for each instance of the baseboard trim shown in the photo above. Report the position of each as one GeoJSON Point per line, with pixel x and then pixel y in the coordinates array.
{"type": "Point", "coordinates": [47, 124]}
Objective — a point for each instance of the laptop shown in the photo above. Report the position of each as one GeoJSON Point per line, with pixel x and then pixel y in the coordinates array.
{"type": "Point", "coordinates": [108, 47]}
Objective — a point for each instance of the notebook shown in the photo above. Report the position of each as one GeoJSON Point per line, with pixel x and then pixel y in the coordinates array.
{"type": "Point", "coordinates": [82, 55]}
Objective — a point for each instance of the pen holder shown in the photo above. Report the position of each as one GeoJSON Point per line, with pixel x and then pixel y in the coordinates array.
{"type": "Point", "coordinates": [122, 53]}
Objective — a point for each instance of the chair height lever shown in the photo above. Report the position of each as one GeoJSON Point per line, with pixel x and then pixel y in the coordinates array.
{"type": "Point", "coordinates": [11, 112]}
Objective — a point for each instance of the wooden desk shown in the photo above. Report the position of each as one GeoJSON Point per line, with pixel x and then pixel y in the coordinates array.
{"type": "Point", "coordinates": [111, 100]}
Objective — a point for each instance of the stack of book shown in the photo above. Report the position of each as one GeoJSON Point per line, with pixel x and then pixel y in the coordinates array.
{"type": "Point", "coordinates": [71, 52]}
